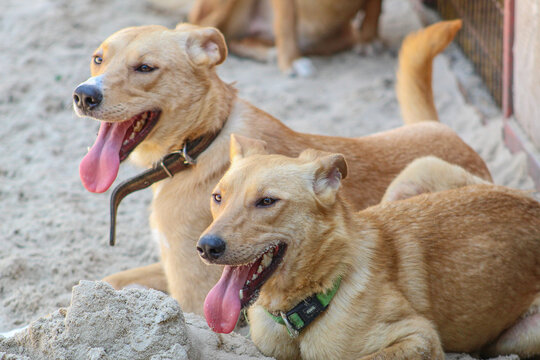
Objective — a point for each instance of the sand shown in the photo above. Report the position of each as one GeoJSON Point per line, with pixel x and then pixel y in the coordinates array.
{"type": "Point", "coordinates": [131, 324]}
{"type": "Point", "coordinates": [54, 233]}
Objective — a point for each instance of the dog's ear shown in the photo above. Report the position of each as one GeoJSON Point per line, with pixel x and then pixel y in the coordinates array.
{"type": "Point", "coordinates": [242, 147]}
{"type": "Point", "coordinates": [330, 169]}
{"type": "Point", "coordinates": [204, 46]}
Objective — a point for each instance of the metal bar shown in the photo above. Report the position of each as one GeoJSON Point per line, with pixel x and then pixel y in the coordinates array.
{"type": "Point", "coordinates": [508, 58]}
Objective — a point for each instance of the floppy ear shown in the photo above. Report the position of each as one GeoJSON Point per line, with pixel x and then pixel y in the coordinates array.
{"type": "Point", "coordinates": [330, 170]}
{"type": "Point", "coordinates": [205, 46]}
{"type": "Point", "coordinates": [242, 147]}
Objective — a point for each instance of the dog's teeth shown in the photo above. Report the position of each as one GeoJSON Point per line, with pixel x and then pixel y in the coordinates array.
{"type": "Point", "coordinates": [241, 294]}
{"type": "Point", "coordinates": [125, 142]}
{"type": "Point", "coordinates": [266, 260]}
{"type": "Point", "coordinates": [144, 116]}
{"type": "Point", "coordinates": [260, 269]}
{"type": "Point", "coordinates": [254, 276]}
{"type": "Point", "coordinates": [139, 124]}
{"type": "Point", "coordinates": [132, 136]}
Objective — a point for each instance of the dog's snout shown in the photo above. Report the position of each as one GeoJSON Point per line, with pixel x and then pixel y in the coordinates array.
{"type": "Point", "coordinates": [87, 97]}
{"type": "Point", "coordinates": [211, 247]}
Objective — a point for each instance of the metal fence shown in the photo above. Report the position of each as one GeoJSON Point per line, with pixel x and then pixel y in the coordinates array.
{"type": "Point", "coordinates": [481, 37]}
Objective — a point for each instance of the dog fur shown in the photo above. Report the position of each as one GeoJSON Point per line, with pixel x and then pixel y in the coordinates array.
{"type": "Point", "coordinates": [296, 28]}
{"type": "Point", "coordinates": [429, 174]}
{"type": "Point", "coordinates": [415, 70]}
{"type": "Point", "coordinates": [193, 101]}
{"type": "Point", "coordinates": [451, 270]}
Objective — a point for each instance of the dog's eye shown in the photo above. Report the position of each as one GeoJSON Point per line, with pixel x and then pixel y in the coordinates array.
{"type": "Point", "coordinates": [265, 202]}
{"type": "Point", "coordinates": [144, 68]}
{"type": "Point", "coordinates": [98, 60]}
{"type": "Point", "coordinates": [217, 198]}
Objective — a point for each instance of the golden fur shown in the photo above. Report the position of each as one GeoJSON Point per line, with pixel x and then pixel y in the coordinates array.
{"type": "Point", "coordinates": [428, 174]}
{"type": "Point", "coordinates": [193, 101]}
{"type": "Point", "coordinates": [449, 271]}
{"type": "Point", "coordinates": [415, 70]}
{"type": "Point", "coordinates": [299, 27]}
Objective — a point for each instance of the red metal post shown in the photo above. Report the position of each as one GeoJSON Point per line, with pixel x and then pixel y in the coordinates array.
{"type": "Point", "coordinates": [508, 59]}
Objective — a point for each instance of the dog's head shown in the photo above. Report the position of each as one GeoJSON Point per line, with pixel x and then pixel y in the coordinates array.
{"type": "Point", "coordinates": [146, 88]}
{"type": "Point", "coordinates": [270, 215]}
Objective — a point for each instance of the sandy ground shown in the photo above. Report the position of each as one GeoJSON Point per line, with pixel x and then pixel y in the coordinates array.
{"type": "Point", "coordinates": [54, 233]}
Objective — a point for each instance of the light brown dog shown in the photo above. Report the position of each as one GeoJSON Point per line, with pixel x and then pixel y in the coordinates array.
{"type": "Point", "coordinates": [296, 28]}
{"type": "Point", "coordinates": [153, 89]}
{"type": "Point", "coordinates": [456, 270]}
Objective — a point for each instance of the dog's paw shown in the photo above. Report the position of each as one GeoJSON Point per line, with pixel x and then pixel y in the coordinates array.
{"type": "Point", "coordinates": [302, 67]}
{"type": "Point", "coordinates": [135, 286]}
{"type": "Point", "coordinates": [375, 47]}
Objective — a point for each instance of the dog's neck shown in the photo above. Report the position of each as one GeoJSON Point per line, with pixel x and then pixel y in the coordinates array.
{"type": "Point", "coordinates": [315, 271]}
{"type": "Point", "coordinates": [209, 113]}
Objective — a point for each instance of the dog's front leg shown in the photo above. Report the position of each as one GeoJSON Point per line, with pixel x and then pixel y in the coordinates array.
{"type": "Point", "coordinates": [421, 343]}
{"type": "Point", "coordinates": [270, 337]}
{"type": "Point", "coordinates": [368, 41]}
{"type": "Point", "coordinates": [151, 276]}
{"type": "Point", "coordinates": [285, 34]}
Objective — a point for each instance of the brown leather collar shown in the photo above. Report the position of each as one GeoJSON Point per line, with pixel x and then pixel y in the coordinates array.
{"type": "Point", "coordinates": [169, 165]}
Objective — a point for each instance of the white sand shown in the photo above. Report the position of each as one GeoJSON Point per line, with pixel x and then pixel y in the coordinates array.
{"type": "Point", "coordinates": [54, 233]}
{"type": "Point", "coordinates": [130, 324]}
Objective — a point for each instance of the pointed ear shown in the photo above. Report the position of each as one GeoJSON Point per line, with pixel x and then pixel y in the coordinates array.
{"type": "Point", "coordinates": [242, 147]}
{"type": "Point", "coordinates": [330, 170]}
{"type": "Point", "coordinates": [205, 46]}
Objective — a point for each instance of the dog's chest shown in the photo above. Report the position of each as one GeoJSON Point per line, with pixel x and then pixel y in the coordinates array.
{"type": "Point", "coordinates": [180, 208]}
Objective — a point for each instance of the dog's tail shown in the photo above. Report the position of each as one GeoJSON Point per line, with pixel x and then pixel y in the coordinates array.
{"type": "Point", "coordinates": [414, 91]}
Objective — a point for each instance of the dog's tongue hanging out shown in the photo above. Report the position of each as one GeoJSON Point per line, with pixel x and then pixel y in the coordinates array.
{"type": "Point", "coordinates": [222, 304]}
{"type": "Point", "coordinates": [99, 167]}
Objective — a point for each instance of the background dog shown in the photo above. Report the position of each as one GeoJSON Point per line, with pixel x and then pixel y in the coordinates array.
{"type": "Point", "coordinates": [408, 272]}
{"type": "Point", "coordinates": [154, 88]}
{"type": "Point", "coordinates": [296, 28]}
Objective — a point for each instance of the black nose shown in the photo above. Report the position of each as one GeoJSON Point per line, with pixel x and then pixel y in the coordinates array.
{"type": "Point", "coordinates": [87, 97]}
{"type": "Point", "coordinates": [211, 247]}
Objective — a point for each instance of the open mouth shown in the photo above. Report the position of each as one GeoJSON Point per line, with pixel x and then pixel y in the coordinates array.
{"type": "Point", "coordinates": [115, 141]}
{"type": "Point", "coordinates": [239, 287]}
{"type": "Point", "coordinates": [261, 270]}
{"type": "Point", "coordinates": [140, 126]}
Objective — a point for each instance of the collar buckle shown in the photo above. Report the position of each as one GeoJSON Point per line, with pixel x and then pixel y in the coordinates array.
{"type": "Point", "coordinates": [188, 160]}
{"type": "Point", "coordinates": [290, 328]}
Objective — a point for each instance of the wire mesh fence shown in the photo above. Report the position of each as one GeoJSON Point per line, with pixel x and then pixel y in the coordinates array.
{"type": "Point", "coordinates": [481, 37]}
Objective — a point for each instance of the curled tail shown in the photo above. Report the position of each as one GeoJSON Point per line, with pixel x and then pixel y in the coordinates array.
{"type": "Point", "coordinates": [414, 91]}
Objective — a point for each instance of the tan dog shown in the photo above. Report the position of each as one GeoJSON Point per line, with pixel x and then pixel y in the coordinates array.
{"type": "Point", "coordinates": [155, 88]}
{"type": "Point", "coordinates": [428, 174]}
{"type": "Point", "coordinates": [457, 270]}
{"type": "Point", "coordinates": [299, 27]}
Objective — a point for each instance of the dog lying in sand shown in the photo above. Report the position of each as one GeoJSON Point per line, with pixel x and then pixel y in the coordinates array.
{"type": "Point", "coordinates": [456, 270]}
{"type": "Point", "coordinates": [156, 90]}
{"type": "Point", "coordinates": [296, 28]}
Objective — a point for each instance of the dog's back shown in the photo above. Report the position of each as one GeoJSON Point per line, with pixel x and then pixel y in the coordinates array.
{"type": "Point", "coordinates": [478, 248]}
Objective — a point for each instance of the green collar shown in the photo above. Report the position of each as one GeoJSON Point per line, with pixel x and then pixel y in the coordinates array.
{"type": "Point", "coordinates": [306, 311]}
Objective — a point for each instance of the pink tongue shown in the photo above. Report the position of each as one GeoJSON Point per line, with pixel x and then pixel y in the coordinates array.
{"type": "Point", "coordinates": [99, 167]}
{"type": "Point", "coordinates": [222, 304]}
